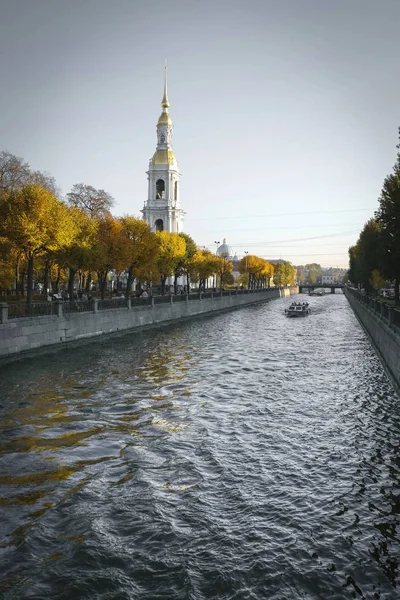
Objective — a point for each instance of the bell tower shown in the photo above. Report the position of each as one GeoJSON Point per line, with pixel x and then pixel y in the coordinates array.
{"type": "Point", "coordinates": [162, 209]}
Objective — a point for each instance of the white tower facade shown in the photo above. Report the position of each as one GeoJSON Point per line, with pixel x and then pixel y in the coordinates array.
{"type": "Point", "coordinates": [162, 209]}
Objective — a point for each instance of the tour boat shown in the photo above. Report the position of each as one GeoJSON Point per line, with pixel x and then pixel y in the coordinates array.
{"type": "Point", "coordinates": [316, 293]}
{"type": "Point", "coordinates": [298, 309]}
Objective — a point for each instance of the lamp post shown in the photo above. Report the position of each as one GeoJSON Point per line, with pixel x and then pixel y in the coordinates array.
{"type": "Point", "coordinates": [216, 252]}
{"type": "Point", "coordinates": [246, 253]}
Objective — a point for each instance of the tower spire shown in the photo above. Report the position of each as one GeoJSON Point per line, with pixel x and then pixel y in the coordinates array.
{"type": "Point", "coordinates": [164, 102]}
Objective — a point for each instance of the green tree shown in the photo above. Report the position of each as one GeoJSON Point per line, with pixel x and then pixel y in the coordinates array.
{"type": "Point", "coordinates": [388, 217]}
{"type": "Point", "coordinates": [366, 256]}
{"type": "Point", "coordinates": [228, 278]}
{"type": "Point", "coordinates": [354, 265]}
{"type": "Point", "coordinates": [285, 274]}
{"type": "Point", "coordinates": [300, 274]}
{"type": "Point", "coordinates": [314, 273]}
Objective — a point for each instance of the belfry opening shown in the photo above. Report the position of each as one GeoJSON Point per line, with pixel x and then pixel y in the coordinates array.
{"type": "Point", "coordinates": [160, 189]}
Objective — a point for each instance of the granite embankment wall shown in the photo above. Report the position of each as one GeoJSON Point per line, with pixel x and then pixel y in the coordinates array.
{"type": "Point", "coordinates": [382, 324]}
{"type": "Point", "coordinates": [27, 334]}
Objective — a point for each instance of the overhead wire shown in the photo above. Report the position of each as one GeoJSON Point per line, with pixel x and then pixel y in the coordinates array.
{"type": "Point", "coordinates": [294, 214]}
{"type": "Point", "coordinates": [266, 243]}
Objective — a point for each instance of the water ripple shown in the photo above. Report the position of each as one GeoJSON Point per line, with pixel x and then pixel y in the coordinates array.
{"type": "Point", "coordinates": [243, 456]}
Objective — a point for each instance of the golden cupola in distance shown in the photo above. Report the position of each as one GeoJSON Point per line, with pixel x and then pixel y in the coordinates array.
{"type": "Point", "coordinates": [162, 210]}
{"type": "Point", "coordinates": [164, 155]}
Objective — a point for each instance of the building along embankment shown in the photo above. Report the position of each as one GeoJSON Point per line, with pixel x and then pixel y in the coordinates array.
{"type": "Point", "coordinates": [70, 324]}
{"type": "Point", "coordinates": [382, 324]}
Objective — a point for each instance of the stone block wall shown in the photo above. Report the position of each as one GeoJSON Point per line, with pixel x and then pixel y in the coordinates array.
{"type": "Point", "coordinates": [30, 333]}
{"type": "Point", "coordinates": [383, 332]}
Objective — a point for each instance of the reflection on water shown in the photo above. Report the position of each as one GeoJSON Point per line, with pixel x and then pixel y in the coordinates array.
{"type": "Point", "coordinates": [236, 457]}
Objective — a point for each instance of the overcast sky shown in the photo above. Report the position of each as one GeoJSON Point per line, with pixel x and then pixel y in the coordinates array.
{"type": "Point", "coordinates": [285, 111]}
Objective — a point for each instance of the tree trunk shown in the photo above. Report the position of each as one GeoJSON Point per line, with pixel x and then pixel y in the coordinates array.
{"type": "Point", "coordinates": [22, 288]}
{"type": "Point", "coordinates": [71, 278]}
{"type": "Point", "coordinates": [163, 280]}
{"type": "Point", "coordinates": [187, 283]}
{"type": "Point", "coordinates": [30, 280]}
{"type": "Point", "coordinates": [396, 292]}
{"type": "Point", "coordinates": [46, 277]}
{"type": "Point", "coordinates": [88, 282]}
{"type": "Point", "coordinates": [17, 283]}
{"type": "Point", "coordinates": [129, 282]}
{"type": "Point", "coordinates": [57, 286]}
{"type": "Point", "coordinates": [102, 283]}
{"type": "Point", "coordinates": [175, 284]}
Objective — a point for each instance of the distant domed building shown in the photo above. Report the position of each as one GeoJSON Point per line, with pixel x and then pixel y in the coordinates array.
{"type": "Point", "coordinates": [225, 250]}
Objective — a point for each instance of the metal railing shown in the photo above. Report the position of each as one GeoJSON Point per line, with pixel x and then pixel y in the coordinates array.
{"type": "Point", "coordinates": [108, 303]}
{"type": "Point", "coordinates": [140, 301]}
{"type": "Point", "coordinates": [180, 298]}
{"type": "Point", "coordinates": [161, 299]}
{"type": "Point", "coordinates": [58, 308]}
{"type": "Point", "coordinates": [36, 309]}
{"type": "Point", "coordinates": [382, 310]}
{"type": "Point", "coordinates": [77, 306]}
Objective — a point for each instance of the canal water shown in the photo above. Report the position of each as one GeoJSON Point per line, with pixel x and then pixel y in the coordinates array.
{"type": "Point", "coordinates": [242, 456]}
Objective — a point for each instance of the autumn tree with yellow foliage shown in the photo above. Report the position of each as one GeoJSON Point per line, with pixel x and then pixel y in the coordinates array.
{"type": "Point", "coordinates": [110, 249]}
{"type": "Point", "coordinates": [204, 264]}
{"type": "Point", "coordinates": [224, 268]}
{"type": "Point", "coordinates": [258, 270]}
{"type": "Point", "coordinates": [171, 249]}
{"type": "Point", "coordinates": [34, 222]}
{"type": "Point", "coordinates": [184, 264]}
{"type": "Point", "coordinates": [143, 249]}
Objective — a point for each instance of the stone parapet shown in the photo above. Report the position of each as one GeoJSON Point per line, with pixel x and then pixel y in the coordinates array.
{"type": "Point", "coordinates": [26, 334]}
{"type": "Point", "coordinates": [382, 326]}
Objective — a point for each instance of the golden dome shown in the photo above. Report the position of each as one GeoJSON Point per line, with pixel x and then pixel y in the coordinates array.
{"type": "Point", "coordinates": [164, 157]}
{"type": "Point", "coordinates": [164, 119]}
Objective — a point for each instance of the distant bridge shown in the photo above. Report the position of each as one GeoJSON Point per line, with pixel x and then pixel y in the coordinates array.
{"type": "Point", "coordinates": [314, 286]}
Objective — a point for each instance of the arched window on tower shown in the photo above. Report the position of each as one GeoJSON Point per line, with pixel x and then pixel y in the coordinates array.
{"type": "Point", "coordinates": [162, 139]}
{"type": "Point", "coordinates": [159, 225]}
{"type": "Point", "coordinates": [176, 191]}
{"type": "Point", "coordinates": [160, 189]}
